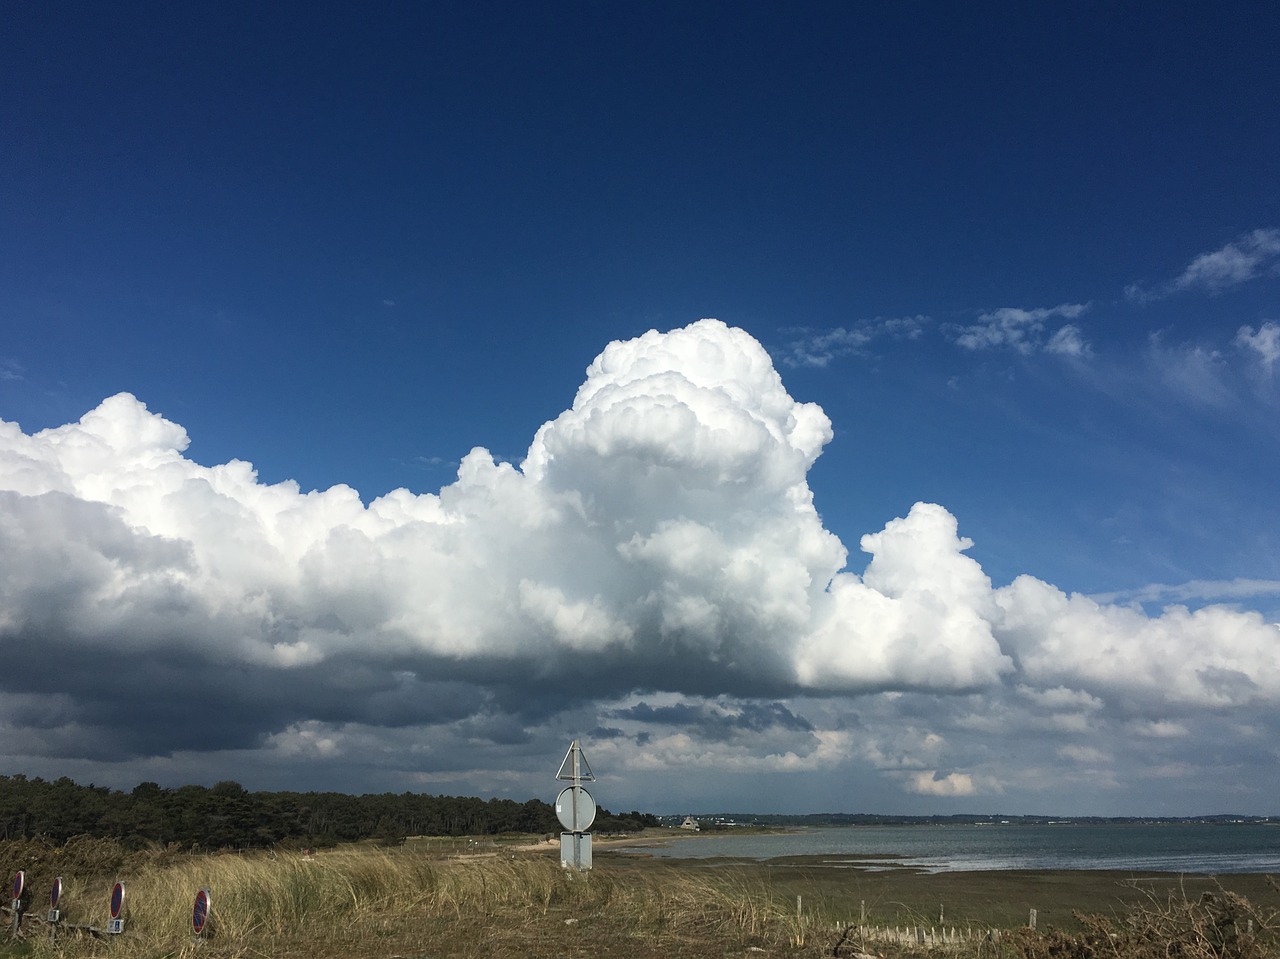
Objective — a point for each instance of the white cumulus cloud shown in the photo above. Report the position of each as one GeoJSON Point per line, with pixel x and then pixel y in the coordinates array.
{"type": "Point", "coordinates": [930, 783]}
{"type": "Point", "coordinates": [655, 567]}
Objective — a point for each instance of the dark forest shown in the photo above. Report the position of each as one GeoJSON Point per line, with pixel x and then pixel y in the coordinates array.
{"type": "Point", "coordinates": [226, 815]}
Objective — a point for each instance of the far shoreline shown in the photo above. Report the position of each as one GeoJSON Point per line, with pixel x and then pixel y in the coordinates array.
{"type": "Point", "coordinates": [884, 893]}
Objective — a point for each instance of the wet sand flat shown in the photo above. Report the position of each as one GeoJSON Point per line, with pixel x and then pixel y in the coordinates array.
{"type": "Point", "coordinates": [845, 889]}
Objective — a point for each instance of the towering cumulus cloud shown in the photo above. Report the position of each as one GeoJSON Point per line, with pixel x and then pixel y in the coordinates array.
{"type": "Point", "coordinates": [659, 539]}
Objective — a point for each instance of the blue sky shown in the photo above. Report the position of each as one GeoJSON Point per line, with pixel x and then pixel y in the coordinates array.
{"type": "Point", "coordinates": [1026, 261]}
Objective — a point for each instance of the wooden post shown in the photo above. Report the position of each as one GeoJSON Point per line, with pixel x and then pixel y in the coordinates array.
{"type": "Point", "coordinates": [1031, 920]}
{"type": "Point", "coordinates": [862, 910]}
{"type": "Point", "coordinates": [942, 912]}
{"type": "Point", "coordinates": [797, 907]}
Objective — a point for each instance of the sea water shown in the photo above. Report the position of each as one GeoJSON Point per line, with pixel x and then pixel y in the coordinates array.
{"type": "Point", "coordinates": [1212, 848]}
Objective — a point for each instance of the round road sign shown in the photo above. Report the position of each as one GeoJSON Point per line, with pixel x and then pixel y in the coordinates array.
{"type": "Point", "coordinates": [200, 912]}
{"type": "Point", "coordinates": [117, 900]}
{"type": "Point", "coordinates": [19, 884]}
{"type": "Point", "coordinates": [56, 893]}
{"type": "Point", "coordinates": [575, 808]}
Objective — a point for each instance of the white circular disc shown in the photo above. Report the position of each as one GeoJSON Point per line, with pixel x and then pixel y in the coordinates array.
{"type": "Point", "coordinates": [575, 808]}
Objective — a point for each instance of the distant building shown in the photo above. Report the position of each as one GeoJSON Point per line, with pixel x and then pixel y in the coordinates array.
{"type": "Point", "coordinates": [691, 824]}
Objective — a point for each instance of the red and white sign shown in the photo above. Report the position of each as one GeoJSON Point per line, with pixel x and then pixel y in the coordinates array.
{"type": "Point", "coordinates": [200, 912]}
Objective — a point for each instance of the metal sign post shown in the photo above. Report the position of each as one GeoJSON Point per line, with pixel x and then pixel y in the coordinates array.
{"type": "Point", "coordinates": [575, 809]}
{"type": "Point", "coordinates": [19, 901]}
{"type": "Point", "coordinates": [55, 914]}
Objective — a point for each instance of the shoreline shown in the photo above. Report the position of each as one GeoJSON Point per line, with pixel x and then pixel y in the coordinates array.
{"type": "Point", "coordinates": [662, 836]}
{"type": "Point", "coordinates": [614, 850]}
{"type": "Point", "coordinates": [1247, 852]}
{"type": "Point", "coordinates": [871, 889]}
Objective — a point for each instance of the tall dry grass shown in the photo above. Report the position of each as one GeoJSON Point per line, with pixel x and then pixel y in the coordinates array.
{"type": "Point", "coordinates": [415, 902]}
{"type": "Point", "coordinates": [375, 902]}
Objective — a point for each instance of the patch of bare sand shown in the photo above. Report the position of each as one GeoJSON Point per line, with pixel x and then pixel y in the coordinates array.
{"type": "Point", "coordinates": [650, 837]}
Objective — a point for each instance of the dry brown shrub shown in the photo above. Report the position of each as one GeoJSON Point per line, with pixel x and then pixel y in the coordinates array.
{"type": "Point", "coordinates": [1217, 925]}
{"type": "Point", "coordinates": [87, 864]}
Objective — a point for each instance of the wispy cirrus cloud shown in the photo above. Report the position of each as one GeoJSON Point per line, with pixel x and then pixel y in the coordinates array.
{"type": "Point", "coordinates": [1024, 331]}
{"type": "Point", "coordinates": [1027, 331]}
{"type": "Point", "coordinates": [1198, 590]}
{"type": "Point", "coordinates": [1068, 341]}
{"type": "Point", "coordinates": [1265, 343]}
{"type": "Point", "coordinates": [819, 347]}
{"type": "Point", "coordinates": [1196, 372]}
{"type": "Point", "coordinates": [1255, 254]}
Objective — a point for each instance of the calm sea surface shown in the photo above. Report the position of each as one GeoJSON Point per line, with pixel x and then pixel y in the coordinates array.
{"type": "Point", "coordinates": [1184, 847]}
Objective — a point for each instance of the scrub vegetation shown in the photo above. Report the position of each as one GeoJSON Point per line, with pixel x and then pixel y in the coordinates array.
{"type": "Point", "coordinates": [509, 897]}
{"type": "Point", "coordinates": [226, 815]}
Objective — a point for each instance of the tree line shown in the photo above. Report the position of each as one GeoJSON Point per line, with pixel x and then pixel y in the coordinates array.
{"type": "Point", "coordinates": [226, 815]}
